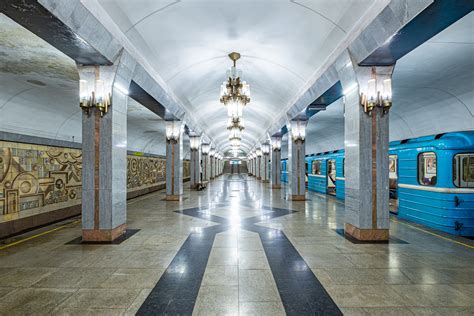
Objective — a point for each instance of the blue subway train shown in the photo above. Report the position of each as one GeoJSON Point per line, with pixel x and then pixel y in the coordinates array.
{"type": "Point", "coordinates": [431, 179]}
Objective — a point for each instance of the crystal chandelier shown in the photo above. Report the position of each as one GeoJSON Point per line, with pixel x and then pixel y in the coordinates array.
{"type": "Point", "coordinates": [235, 141]}
{"type": "Point", "coordinates": [235, 127]}
{"type": "Point", "coordinates": [235, 93]}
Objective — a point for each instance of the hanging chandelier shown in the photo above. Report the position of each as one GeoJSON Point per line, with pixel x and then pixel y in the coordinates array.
{"type": "Point", "coordinates": [235, 127]}
{"type": "Point", "coordinates": [235, 141]}
{"type": "Point", "coordinates": [235, 93]}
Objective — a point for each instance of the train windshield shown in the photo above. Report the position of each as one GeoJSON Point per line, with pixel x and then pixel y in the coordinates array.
{"type": "Point", "coordinates": [463, 170]}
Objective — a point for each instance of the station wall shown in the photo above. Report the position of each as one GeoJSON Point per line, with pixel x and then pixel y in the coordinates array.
{"type": "Point", "coordinates": [41, 184]}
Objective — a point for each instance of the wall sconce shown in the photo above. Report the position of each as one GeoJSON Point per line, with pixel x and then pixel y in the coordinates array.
{"type": "Point", "coordinates": [276, 143]}
{"type": "Point", "coordinates": [195, 141]}
{"type": "Point", "coordinates": [212, 152]}
{"type": "Point", "coordinates": [298, 130]}
{"type": "Point", "coordinates": [258, 151]}
{"type": "Point", "coordinates": [205, 149]}
{"type": "Point", "coordinates": [173, 130]}
{"type": "Point", "coordinates": [377, 96]}
{"type": "Point", "coordinates": [265, 149]}
{"type": "Point", "coordinates": [94, 99]}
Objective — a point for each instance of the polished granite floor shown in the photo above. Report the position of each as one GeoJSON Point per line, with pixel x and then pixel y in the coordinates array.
{"type": "Point", "coordinates": [238, 248]}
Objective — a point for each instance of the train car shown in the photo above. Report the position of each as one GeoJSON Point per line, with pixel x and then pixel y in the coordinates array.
{"type": "Point", "coordinates": [326, 173]}
{"type": "Point", "coordinates": [435, 181]}
{"type": "Point", "coordinates": [431, 180]}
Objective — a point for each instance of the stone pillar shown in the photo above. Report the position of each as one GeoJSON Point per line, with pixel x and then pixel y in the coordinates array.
{"type": "Point", "coordinates": [254, 164]}
{"type": "Point", "coordinates": [366, 139]}
{"type": "Point", "coordinates": [259, 163]}
{"type": "Point", "coordinates": [276, 162]}
{"type": "Point", "coordinates": [265, 159]}
{"type": "Point", "coordinates": [296, 160]}
{"type": "Point", "coordinates": [206, 172]}
{"type": "Point", "coordinates": [211, 164]}
{"type": "Point", "coordinates": [104, 151]}
{"type": "Point", "coordinates": [195, 163]}
{"type": "Point", "coordinates": [174, 160]}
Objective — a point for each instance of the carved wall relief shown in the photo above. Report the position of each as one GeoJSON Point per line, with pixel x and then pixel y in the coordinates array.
{"type": "Point", "coordinates": [36, 179]}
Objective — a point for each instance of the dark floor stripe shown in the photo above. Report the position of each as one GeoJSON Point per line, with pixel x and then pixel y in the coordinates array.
{"type": "Point", "coordinates": [300, 291]}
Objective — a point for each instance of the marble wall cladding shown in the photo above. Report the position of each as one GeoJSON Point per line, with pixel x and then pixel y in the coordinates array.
{"type": "Point", "coordinates": [36, 179]}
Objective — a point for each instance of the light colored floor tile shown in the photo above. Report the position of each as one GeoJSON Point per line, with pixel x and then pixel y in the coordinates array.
{"type": "Point", "coordinates": [364, 296]}
{"type": "Point", "coordinates": [133, 278]}
{"type": "Point", "coordinates": [257, 286]}
{"type": "Point", "coordinates": [102, 298]}
{"type": "Point", "coordinates": [223, 256]}
{"type": "Point", "coordinates": [221, 275]}
{"type": "Point", "coordinates": [432, 295]}
{"type": "Point", "coordinates": [33, 301]}
{"type": "Point", "coordinates": [253, 260]}
{"type": "Point", "coordinates": [217, 300]}
{"type": "Point", "coordinates": [261, 309]}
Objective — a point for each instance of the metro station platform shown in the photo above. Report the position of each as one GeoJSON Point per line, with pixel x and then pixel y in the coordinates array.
{"type": "Point", "coordinates": [237, 248]}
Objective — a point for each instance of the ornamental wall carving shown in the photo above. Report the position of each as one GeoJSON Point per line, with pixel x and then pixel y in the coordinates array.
{"type": "Point", "coordinates": [37, 178]}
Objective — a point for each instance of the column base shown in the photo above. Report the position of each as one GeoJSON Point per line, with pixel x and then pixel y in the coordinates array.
{"type": "Point", "coordinates": [297, 197]}
{"type": "Point", "coordinates": [104, 235]}
{"type": "Point", "coordinates": [266, 181]}
{"type": "Point", "coordinates": [211, 178]}
{"type": "Point", "coordinates": [259, 178]}
{"type": "Point", "coordinates": [276, 186]}
{"type": "Point", "coordinates": [366, 234]}
{"type": "Point", "coordinates": [172, 197]}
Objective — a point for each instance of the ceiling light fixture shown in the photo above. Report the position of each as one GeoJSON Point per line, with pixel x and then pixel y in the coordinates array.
{"type": "Point", "coordinates": [235, 93]}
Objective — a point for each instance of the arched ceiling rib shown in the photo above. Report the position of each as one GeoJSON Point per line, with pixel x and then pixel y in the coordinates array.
{"type": "Point", "coordinates": [187, 43]}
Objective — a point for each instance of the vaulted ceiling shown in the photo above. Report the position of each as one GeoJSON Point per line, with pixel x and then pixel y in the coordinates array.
{"type": "Point", "coordinates": [282, 44]}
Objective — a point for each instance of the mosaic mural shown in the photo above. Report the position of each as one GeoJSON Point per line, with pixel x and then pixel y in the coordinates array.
{"type": "Point", "coordinates": [36, 178]}
{"type": "Point", "coordinates": [142, 171]}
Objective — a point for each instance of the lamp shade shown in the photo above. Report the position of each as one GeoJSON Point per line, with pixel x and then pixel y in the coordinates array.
{"type": "Point", "coordinates": [265, 149]}
{"type": "Point", "coordinates": [276, 143]}
{"type": "Point", "coordinates": [195, 141]}
{"type": "Point", "coordinates": [173, 130]}
{"type": "Point", "coordinates": [212, 152]}
{"type": "Point", "coordinates": [298, 129]}
{"type": "Point", "coordinates": [258, 151]}
{"type": "Point", "coordinates": [205, 149]}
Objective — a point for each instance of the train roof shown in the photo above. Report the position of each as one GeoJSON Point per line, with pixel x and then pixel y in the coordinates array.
{"type": "Point", "coordinates": [451, 140]}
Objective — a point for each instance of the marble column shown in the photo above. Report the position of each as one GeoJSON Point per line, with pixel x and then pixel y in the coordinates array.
{"type": "Point", "coordinates": [254, 163]}
{"type": "Point", "coordinates": [211, 165]}
{"type": "Point", "coordinates": [296, 161]}
{"type": "Point", "coordinates": [265, 160]}
{"type": "Point", "coordinates": [174, 160]}
{"type": "Point", "coordinates": [104, 152]}
{"type": "Point", "coordinates": [276, 162]}
{"type": "Point", "coordinates": [195, 161]}
{"type": "Point", "coordinates": [366, 139]}
{"type": "Point", "coordinates": [206, 171]}
{"type": "Point", "coordinates": [259, 163]}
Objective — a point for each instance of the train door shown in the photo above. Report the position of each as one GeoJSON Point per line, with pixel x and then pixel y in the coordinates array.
{"type": "Point", "coordinates": [331, 176]}
{"type": "Point", "coordinates": [393, 182]}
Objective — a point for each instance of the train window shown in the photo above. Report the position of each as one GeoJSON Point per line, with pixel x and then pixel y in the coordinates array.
{"type": "Point", "coordinates": [344, 167]}
{"type": "Point", "coordinates": [392, 166]}
{"type": "Point", "coordinates": [463, 170]}
{"type": "Point", "coordinates": [427, 171]}
{"type": "Point", "coordinates": [316, 166]}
